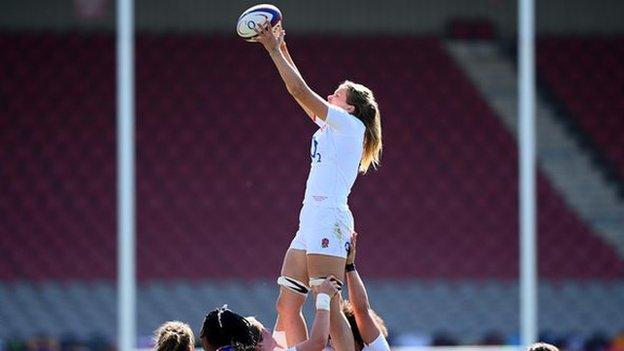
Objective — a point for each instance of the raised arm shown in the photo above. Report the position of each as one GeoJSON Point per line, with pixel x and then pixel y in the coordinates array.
{"type": "Point", "coordinates": [284, 50]}
{"type": "Point", "coordinates": [320, 328]}
{"type": "Point", "coordinates": [359, 298]}
{"type": "Point", "coordinates": [310, 101]}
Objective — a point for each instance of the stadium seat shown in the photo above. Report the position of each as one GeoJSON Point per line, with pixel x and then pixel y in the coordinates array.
{"type": "Point", "coordinates": [585, 74]}
{"type": "Point", "coordinates": [222, 158]}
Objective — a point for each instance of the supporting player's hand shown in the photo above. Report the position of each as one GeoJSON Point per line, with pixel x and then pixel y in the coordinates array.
{"type": "Point", "coordinates": [268, 38]}
{"type": "Point", "coordinates": [329, 286]}
{"type": "Point", "coordinates": [352, 248]}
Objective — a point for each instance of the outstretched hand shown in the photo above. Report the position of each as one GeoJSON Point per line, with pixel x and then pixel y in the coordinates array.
{"type": "Point", "coordinates": [268, 38]}
{"type": "Point", "coordinates": [283, 47]}
{"type": "Point", "coordinates": [329, 286]}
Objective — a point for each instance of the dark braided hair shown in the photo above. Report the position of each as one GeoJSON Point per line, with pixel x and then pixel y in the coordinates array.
{"type": "Point", "coordinates": [222, 327]}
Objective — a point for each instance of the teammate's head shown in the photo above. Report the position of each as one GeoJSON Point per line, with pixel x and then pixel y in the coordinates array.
{"type": "Point", "coordinates": [174, 336]}
{"type": "Point", "coordinates": [347, 309]}
{"type": "Point", "coordinates": [266, 342]}
{"type": "Point", "coordinates": [359, 101]}
{"type": "Point", "coordinates": [223, 328]}
{"type": "Point", "coordinates": [542, 346]}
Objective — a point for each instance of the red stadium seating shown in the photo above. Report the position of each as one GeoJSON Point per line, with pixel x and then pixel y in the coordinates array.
{"type": "Point", "coordinates": [479, 28]}
{"type": "Point", "coordinates": [222, 157]}
{"type": "Point", "coordinates": [586, 74]}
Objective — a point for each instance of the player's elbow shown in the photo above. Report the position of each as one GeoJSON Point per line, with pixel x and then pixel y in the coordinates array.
{"type": "Point", "coordinates": [361, 308]}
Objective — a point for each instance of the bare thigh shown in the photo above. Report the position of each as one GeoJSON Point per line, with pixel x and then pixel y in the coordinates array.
{"type": "Point", "coordinates": [295, 265]}
{"type": "Point", "coordinates": [325, 265]}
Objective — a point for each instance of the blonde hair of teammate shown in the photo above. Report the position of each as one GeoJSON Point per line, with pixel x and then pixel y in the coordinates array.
{"type": "Point", "coordinates": [367, 111]}
{"type": "Point", "coordinates": [347, 309]}
{"type": "Point", "coordinates": [256, 327]}
{"type": "Point", "coordinates": [174, 336]}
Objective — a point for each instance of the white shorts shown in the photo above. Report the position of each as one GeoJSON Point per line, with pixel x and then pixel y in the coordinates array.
{"type": "Point", "coordinates": [324, 231]}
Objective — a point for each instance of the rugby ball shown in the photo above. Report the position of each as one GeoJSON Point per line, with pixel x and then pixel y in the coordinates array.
{"type": "Point", "coordinates": [255, 17]}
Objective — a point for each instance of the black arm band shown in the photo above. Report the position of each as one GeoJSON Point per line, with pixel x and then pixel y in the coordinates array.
{"type": "Point", "coordinates": [350, 267]}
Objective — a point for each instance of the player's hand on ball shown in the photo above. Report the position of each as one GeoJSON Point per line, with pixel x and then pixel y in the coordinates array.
{"type": "Point", "coordinates": [268, 39]}
{"type": "Point", "coordinates": [352, 247]}
{"type": "Point", "coordinates": [283, 42]}
{"type": "Point", "coordinates": [329, 286]}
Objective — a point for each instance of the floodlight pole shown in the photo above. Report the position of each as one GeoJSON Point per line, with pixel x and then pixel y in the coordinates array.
{"type": "Point", "coordinates": [126, 252]}
{"type": "Point", "coordinates": [526, 140]}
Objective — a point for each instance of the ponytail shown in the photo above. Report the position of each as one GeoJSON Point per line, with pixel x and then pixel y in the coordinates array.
{"type": "Point", "coordinates": [174, 336]}
{"type": "Point", "coordinates": [223, 327]}
{"type": "Point", "coordinates": [367, 111]}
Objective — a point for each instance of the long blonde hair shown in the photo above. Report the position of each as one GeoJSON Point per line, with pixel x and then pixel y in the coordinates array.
{"type": "Point", "coordinates": [174, 336]}
{"type": "Point", "coordinates": [367, 111]}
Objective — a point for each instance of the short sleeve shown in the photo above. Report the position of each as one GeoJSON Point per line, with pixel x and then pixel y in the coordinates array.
{"type": "Point", "coordinates": [342, 122]}
{"type": "Point", "coordinates": [319, 122]}
{"type": "Point", "coordinates": [379, 344]}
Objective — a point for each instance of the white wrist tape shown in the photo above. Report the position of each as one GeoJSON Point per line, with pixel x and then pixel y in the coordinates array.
{"type": "Point", "coordinates": [322, 302]}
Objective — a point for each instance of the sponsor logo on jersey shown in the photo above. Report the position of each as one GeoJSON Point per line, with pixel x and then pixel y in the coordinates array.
{"type": "Point", "coordinates": [325, 243]}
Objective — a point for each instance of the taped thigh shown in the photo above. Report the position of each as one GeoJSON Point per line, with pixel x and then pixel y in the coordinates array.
{"type": "Point", "coordinates": [293, 285]}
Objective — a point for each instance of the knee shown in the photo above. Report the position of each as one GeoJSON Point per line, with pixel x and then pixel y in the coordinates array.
{"type": "Point", "coordinates": [288, 304]}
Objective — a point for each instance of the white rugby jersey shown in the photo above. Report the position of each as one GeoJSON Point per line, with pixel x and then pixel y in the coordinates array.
{"type": "Point", "coordinates": [379, 344]}
{"type": "Point", "coordinates": [335, 153]}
